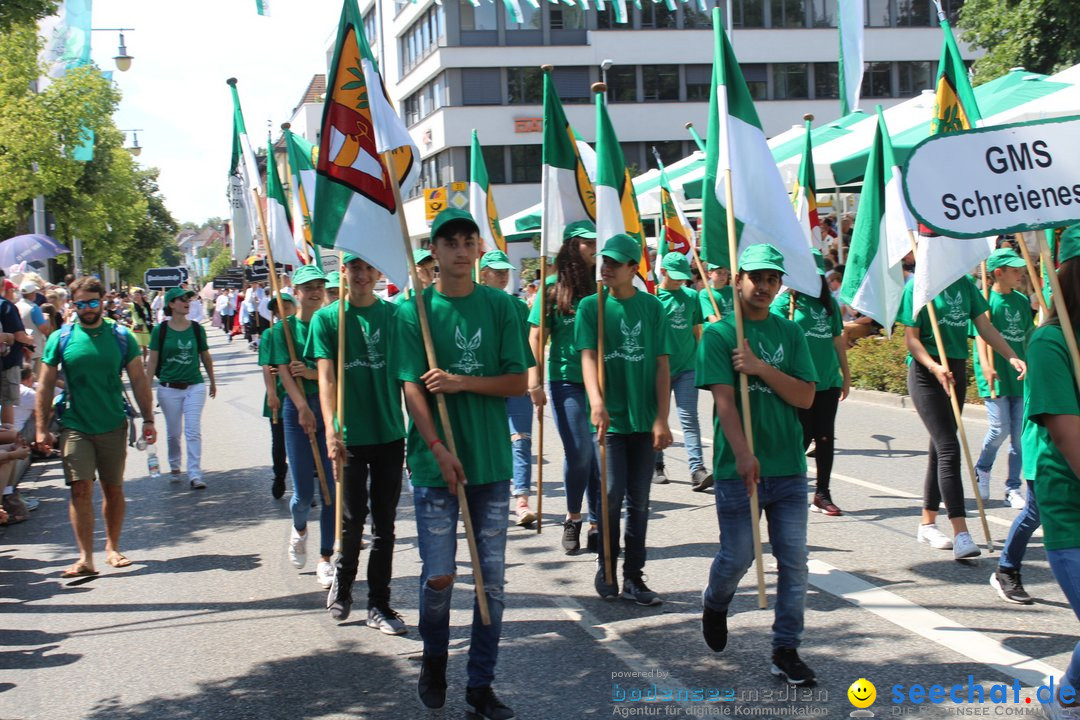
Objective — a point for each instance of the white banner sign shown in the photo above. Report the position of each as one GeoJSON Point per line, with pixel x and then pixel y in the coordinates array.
{"type": "Point", "coordinates": [997, 180]}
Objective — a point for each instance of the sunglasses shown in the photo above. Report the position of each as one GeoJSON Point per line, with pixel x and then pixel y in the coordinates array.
{"type": "Point", "coordinates": [83, 304]}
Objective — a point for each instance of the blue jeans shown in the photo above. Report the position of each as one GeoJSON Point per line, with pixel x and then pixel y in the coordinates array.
{"type": "Point", "coordinates": [1066, 567]}
{"type": "Point", "coordinates": [436, 529]}
{"type": "Point", "coordinates": [520, 411]}
{"type": "Point", "coordinates": [629, 476]}
{"type": "Point", "coordinates": [686, 400]}
{"type": "Point", "coordinates": [1026, 523]}
{"type": "Point", "coordinates": [1006, 416]}
{"type": "Point", "coordinates": [784, 501]}
{"type": "Point", "coordinates": [304, 477]}
{"type": "Point", "coordinates": [581, 468]}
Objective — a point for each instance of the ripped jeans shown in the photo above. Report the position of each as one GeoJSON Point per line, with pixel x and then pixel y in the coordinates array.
{"type": "Point", "coordinates": [436, 528]}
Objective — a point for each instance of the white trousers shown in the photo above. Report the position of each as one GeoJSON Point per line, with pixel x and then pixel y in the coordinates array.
{"type": "Point", "coordinates": [183, 414]}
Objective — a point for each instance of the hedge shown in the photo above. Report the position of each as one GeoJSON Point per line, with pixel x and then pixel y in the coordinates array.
{"type": "Point", "coordinates": [880, 363]}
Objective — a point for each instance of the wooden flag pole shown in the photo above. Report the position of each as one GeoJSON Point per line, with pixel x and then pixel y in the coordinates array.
{"type": "Point", "coordinates": [1036, 283]}
{"type": "Point", "coordinates": [1060, 310]}
{"type": "Point", "coordinates": [944, 360]}
{"type": "Point", "coordinates": [542, 299]}
{"type": "Point", "coordinates": [744, 383]}
{"type": "Point", "coordinates": [440, 399]}
{"type": "Point", "coordinates": [339, 464]}
{"type": "Point", "coordinates": [276, 287]}
{"type": "Point", "coordinates": [989, 355]}
{"type": "Point", "coordinates": [605, 515]}
{"type": "Point", "coordinates": [791, 305]}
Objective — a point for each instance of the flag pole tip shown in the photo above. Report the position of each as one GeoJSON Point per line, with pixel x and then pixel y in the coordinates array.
{"type": "Point", "coordinates": [688, 125]}
{"type": "Point", "coordinates": [231, 81]}
{"type": "Point", "coordinates": [286, 126]}
{"type": "Point", "coordinates": [547, 67]}
{"type": "Point", "coordinates": [808, 117]}
{"type": "Point", "coordinates": [599, 87]}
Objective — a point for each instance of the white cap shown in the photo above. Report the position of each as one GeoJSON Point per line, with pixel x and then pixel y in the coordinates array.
{"type": "Point", "coordinates": [29, 287]}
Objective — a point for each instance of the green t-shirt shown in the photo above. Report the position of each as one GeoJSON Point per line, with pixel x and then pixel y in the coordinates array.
{"type": "Point", "coordinates": [724, 299]}
{"type": "Point", "coordinates": [778, 438]}
{"type": "Point", "coordinates": [1011, 315]}
{"type": "Point", "coordinates": [372, 393]}
{"type": "Point", "coordinates": [955, 306]}
{"type": "Point", "coordinates": [820, 328]}
{"type": "Point", "coordinates": [479, 335]}
{"type": "Point", "coordinates": [179, 356]}
{"type": "Point", "coordinates": [683, 313]}
{"type": "Point", "coordinates": [1051, 390]}
{"type": "Point", "coordinates": [265, 343]}
{"type": "Point", "coordinates": [635, 335]}
{"type": "Point", "coordinates": [279, 350]}
{"type": "Point", "coordinates": [93, 388]}
{"type": "Point", "coordinates": [564, 360]}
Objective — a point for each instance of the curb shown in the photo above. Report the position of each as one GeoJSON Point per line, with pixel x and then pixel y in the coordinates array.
{"type": "Point", "coordinates": [877, 397]}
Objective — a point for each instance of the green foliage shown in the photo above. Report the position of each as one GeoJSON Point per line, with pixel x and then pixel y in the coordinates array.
{"type": "Point", "coordinates": [21, 12]}
{"type": "Point", "coordinates": [219, 264]}
{"type": "Point", "coordinates": [1039, 35]}
{"type": "Point", "coordinates": [880, 363]}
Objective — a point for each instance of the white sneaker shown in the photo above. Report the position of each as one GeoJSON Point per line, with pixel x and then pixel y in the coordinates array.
{"type": "Point", "coordinates": [984, 484]}
{"type": "Point", "coordinates": [297, 548]}
{"type": "Point", "coordinates": [965, 547]}
{"type": "Point", "coordinates": [933, 537]}
{"type": "Point", "coordinates": [324, 574]}
{"type": "Point", "coordinates": [1015, 499]}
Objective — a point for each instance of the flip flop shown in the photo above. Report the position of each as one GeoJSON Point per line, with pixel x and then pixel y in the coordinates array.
{"type": "Point", "coordinates": [119, 560]}
{"type": "Point", "coordinates": [78, 571]}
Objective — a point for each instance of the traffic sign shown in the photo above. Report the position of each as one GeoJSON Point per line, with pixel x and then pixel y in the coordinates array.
{"type": "Point", "coordinates": [164, 278]}
{"type": "Point", "coordinates": [458, 196]}
{"type": "Point", "coordinates": [434, 202]}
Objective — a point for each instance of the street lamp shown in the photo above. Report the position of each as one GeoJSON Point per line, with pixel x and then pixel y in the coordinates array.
{"type": "Point", "coordinates": [605, 65]}
{"type": "Point", "coordinates": [122, 59]}
{"type": "Point", "coordinates": [135, 150]}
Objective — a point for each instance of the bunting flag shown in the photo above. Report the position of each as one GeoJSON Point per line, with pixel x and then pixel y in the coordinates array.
{"type": "Point", "coordinates": [67, 35]}
{"type": "Point", "coordinates": [263, 7]}
{"type": "Point", "coordinates": [955, 108]}
{"type": "Point", "coordinates": [676, 233]}
{"type": "Point", "coordinates": [355, 208]}
{"type": "Point", "coordinates": [566, 186]}
{"type": "Point", "coordinates": [804, 195]}
{"type": "Point", "coordinates": [481, 201]}
{"type": "Point", "coordinates": [279, 230]}
{"type": "Point", "coordinates": [762, 206]}
{"type": "Point", "coordinates": [302, 157]}
{"type": "Point", "coordinates": [243, 181]}
{"type": "Point", "coordinates": [874, 273]}
{"type": "Point", "coordinates": [616, 203]}
{"type": "Point", "coordinates": [851, 22]}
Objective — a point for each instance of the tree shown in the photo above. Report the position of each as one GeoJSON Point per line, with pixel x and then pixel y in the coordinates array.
{"type": "Point", "coordinates": [1038, 35]}
{"type": "Point", "coordinates": [23, 12]}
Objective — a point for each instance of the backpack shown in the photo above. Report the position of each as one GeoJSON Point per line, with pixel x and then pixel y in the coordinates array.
{"type": "Point", "coordinates": [200, 342]}
{"type": "Point", "coordinates": [121, 337]}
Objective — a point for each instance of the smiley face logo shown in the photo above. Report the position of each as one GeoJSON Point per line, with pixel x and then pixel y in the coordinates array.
{"type": "Point", "coordinates": [862, 693]}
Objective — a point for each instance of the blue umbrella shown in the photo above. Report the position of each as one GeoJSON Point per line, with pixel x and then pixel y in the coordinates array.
{"type": "Point", "coordinates": [29, 248]}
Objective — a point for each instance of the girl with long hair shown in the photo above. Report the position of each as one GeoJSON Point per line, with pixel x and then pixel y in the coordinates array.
{"type": "Point", "coordinates": [142, 319]}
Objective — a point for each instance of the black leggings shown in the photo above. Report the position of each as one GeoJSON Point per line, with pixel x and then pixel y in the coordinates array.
{"type": "Point", "coordinates": [944, 476]}
{"type": "Point", "coordinates": [277, 448]}
{"type": "Point", "coordinates": [819, 425]}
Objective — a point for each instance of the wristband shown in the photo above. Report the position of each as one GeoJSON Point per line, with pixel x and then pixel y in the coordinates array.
{"type": "Point", "coordinates": [147, 422]}
{"type": "Point", "coordinates": [431, 445]}
{"type": "Point", "coordinates": [536, 387]}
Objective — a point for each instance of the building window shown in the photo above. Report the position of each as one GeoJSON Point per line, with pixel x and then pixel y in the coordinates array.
{"type": "Point", "coordinates": [478, 17]}
{"type": "Point", "coordinates": [916, 77]}
{"type": "Point", "coordinates": [788, 14]}
{"type": "Point", "coordinates": [566, 17]}
{"type": "Point", "coordinates": [494, 160]}
{"type": "Point", "coordinates": [671, 151]}
{"type": "Point", "coordinates": [749, 13]}
{"type": "Point", "coordinates": [915, 13]}
{"type": "Point", "coordinates": [572, 84]}
{"type": "Point", "coordinates": [631, 152]}
{"type": "Point", "coordinates": [531, 18]}
{"type": "Point", "coordinates": [524, 86]}
{"type": "Point", "coordinates": [657, 15]}
{"type": "Point", "coordinates": [878, 13]}
{"type": "Point", "coordinates": [696, 19]}
{"type": "Point", "coordinates": [698, 79]}
{"type": "Point", "coordinates": [789, 81]}
{"type": "Point", "coordinates": [622, 83]}
{"type": "Point", "coordinates": [757, 80]}
{"type": "Point", "coordinates": [826, 80]}
{"type": "Point", "coordinates": [422, 37]}
{"type": "Point", "coordinates": [481, 86]}
{"type": "Point", "coordinates": [525, 163]}
{"type": "Point", "coordinates": [605, 19]}
{"type": "Point", "coordinates": [425, 101]}
{"type": "Point", "coordinates": [877, 80]}
{"type": "Point", "coordinates": [660, 83]}
{"type": "Point", "coordinates": [371, 28]}
{"type": "Point", "coordinates": [824, 13]}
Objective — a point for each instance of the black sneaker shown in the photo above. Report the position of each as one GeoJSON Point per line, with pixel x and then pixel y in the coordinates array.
{"type": "Point", "coordinates": [278, 488]}
{"type": "Point", "coordinates": [339, 599]}
{"type": "Point", "coordinates": [483, 704]}
{"type": "Point", "coordinates": [659, 476]}
{"type": "Point", "coordinates": [431, 687]}
{"type": "Point", "coordinates": [592, 541]}
{"type": "Point", "coordinates": [571, 536]}
{"type": "Point", "coordinates": [786, 664]}
{"type": "Point", "coordinates": [1008, 586]}
{"type": "Point", "coordinates": [636, 590]}
{"type": "Point", "coordinates": [603, 589]}
{"type": "Point", "coordinates": [714, 628]}
{"type": "Point", "coordinates": [701, 480]}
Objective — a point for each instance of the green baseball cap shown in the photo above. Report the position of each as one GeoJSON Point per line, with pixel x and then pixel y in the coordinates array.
{"type": "Point", "coordinates": [676, 266]}
{"type": "Point", "coordinates": [419, 255]}
{"type": "Point", "coordinates": [713, 266]}
{"type": "Point", "coordinates": [333, 279]}
{"type": "Point", "coordinates": [451, 215]}
{"type": "Point", "coordinates": [176, 293]}
{"type": "Point", "coordinates": [347, 258]}
{"type": "Point", "coordinates": [579, 228]}
{"type": "Point", "coordinates": [1069, 244]}
{"type": "Point", "coordinates": [820, 260]}
{"type": "Point", "coordinates": [496, 260]}
{"type": "Point", "coordinates": [307, 273]}
{"type": "Point", "coordinates": [622, 248]}
{"type": "Point", "coordinates": [272, 304]}
{"type": "Point", "coordinates": [761, 256]}
{"type": "Point", "coordinates": [1005, 257]}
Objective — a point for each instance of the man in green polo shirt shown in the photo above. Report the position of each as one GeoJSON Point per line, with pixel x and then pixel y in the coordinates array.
{"type": "Point", "coordinates": [372, 446]}
{"type": "Point", "coordinates": [94, 439]}
{"type": "Point", "coordinates": [479, 346]}
{"type": "Point", "coordinates": [776, 359]}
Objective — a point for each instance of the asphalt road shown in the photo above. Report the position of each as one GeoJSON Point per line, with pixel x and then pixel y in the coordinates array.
{"type": "Point", "coordinates": [212, 621]}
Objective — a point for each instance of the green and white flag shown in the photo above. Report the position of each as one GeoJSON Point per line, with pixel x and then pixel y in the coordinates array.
{"type": "Point", "coordinates": [243, 181]}
{"type": "Point", "coordinates": [481, 201]}
{"type": "Point", "coordinates": [263, 7]}
{"type": "Point", "coordinates": [874, 273]}
{"type": "Point", "coordinates": [301, 155]}
{"type": "Point", "coordinates": [851, 21]}
{"type": "Point", "coordinates": [762, 207]}
{"type": "Point", "coordinates": [278, 222]}
{"type": "Point", "coordinates": [513, 11]}
{"type": "Point", "coordinates": [566, 185]}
